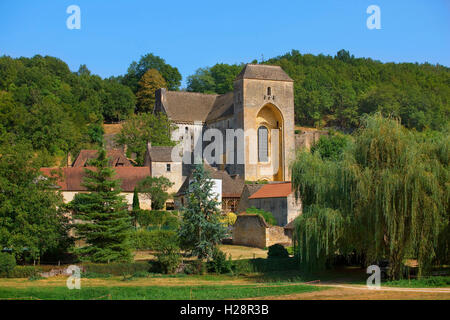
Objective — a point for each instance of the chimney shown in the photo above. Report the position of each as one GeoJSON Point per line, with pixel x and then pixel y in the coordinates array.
{"type": "Point", "coordinates": [147, 155]}
{"type": "Point", "coordinates": [69, 159]}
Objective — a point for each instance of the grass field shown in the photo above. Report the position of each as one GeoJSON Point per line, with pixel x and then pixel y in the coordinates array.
{"type": "Point", "coordinates": [200, 292]}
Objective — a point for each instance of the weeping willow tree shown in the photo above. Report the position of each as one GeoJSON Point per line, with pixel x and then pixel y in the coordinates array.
{"type": "Point", "coordinates": [386, 197]}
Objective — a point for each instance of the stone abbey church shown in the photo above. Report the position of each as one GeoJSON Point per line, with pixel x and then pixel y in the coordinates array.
{"type": "Point", "coordinates": [262, 102]}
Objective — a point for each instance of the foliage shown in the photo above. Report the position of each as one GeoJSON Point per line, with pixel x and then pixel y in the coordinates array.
{"type": "Point", "coordinates": [168, 254]}
{"type": "Point", "coordinates": [95, 132]}
{"type": "Point", "coordinates": [140, 129]}
{"type": "Point", "coordinates": [136, 70]}
{"type": "Point", "coordinates": [277, 251]}
{"type": "Point", "coordinates": [159, 219]}
{"type": "Point", "coordinates": [217, 79]}
{"type": "Point", "coordinates": [331, 147]}
{"type": "Point", "coordinates": [32, 221]}
{"type": "Point", "coordinates": [103, 217]}
{"type": "Point", "coordinates": [144, 239]}
{"type": "Point", "coordinates": [201, 229]}
{"type": "Point", "coordinates": [149, 83]}
{"type": "Point", "coordinates": [228, 219]}
{"type": "Point", "coordinates": [7, 263]}
{"type": "Point", "coordinates": [23, 272]}
{"type": "Point", "coordinates": [268, 216]}
{"type": "Point", "coordinates": [387, 197]}
{"type": "Point", "coordinates": [336, 91]}
{"type": "Point", "coordinates": [219, 262]}
{"type": "Point", "coordinates": [44, 103]}
{"type": "Point", "coordinates": [155, 189]}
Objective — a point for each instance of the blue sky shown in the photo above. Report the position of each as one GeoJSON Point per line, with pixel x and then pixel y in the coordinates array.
{"type": "Point", "coordinates": [193, 34]}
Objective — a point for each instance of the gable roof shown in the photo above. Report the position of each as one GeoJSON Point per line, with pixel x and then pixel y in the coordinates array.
{"type": "Point", "coordinates": [187, 106]}
{"type": "Point", "coordinates": [263, 72]}
{"type": "Point", "coordinates": [160, 154]}
{"type": "Point", "coordinates": [116, 158]}
{"type": "Point", "coordinates": [273, 190]}
{"type": "Point", "coordinates": [70, 179]}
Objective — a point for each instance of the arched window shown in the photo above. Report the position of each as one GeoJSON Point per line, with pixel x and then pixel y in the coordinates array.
{"type": "Point", "coordinates": [269, 91]}
{"type": "Point", "coordinates": [263, 149]}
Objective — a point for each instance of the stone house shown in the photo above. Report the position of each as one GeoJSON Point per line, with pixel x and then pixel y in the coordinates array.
{"type": "Point", "coordinates": [69, 179]}
{"type": "Point", "coordinates": [277, 198]}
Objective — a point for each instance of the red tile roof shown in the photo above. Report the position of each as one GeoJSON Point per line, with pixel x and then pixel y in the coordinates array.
{"type": "Point", "coordinates": [116, 158]}
{"type": "Point", "coordinates": [273, 190]}
{"type": "Point", "coordinates": [71, 178]}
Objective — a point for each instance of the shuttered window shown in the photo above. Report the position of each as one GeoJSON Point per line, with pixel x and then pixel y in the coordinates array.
{"type": "Point", "coordinates": [263, 150]}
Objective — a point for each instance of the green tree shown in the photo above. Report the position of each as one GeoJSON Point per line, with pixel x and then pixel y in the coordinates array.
{"type": "Point", "coordinates": [386, 197]}
{"type": "Point", "coordinates": [331, 146]}
{"type": "Point", "coordinates": [149, 83]}
{"type": "Point", "coordinates": [201, 229]}
{"type": "Point", "coordinates": [104, 222]}
{"type": "Point", "coordinates": [155, 189]}
{"type": "Point", "coordinates": [136, 206]}
{"type": "Point", "coordinates": [149, 61]}
{"type": "Point", "coordinates": [32, 222]}
{"type": "Point", "coordinates": [143, 128]}
{"type": "Point", "coordinates": [217, 79]}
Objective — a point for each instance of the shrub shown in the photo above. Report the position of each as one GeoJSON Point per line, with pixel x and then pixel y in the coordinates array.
{"type": "Point", "coordinates": [24, 272]}
{"type": "Point", "coordinates": [157, 219]}
{"type": "Point", "coordinates": [7, 263]}
{"type": "Point", "coordinates": [149, 239]}
{"type": "Point", "coordinates": [290, 250]}
{"type": "Point", "coordinates": [168, 256]}
{"type": "Point", "coordinates": [277, 251]}
{"type": "Point", "coordinates": [268, 216]}
{"type": "Point", "coordinates": [228, 219]}
{"type": "Point", "coordinates": [195, 267]}
{"type": "Point", "coordinates": [220, 263]}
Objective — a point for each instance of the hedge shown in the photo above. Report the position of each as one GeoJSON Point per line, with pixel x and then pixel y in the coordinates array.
{"type": "Point", "coordinates": [157, 219]}
{"type": "Point", "coordinates": [149, 239]}
{"type": "Point", "coordinates": [23, 272]}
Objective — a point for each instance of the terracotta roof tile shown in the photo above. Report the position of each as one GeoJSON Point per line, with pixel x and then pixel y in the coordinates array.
{"type": "Point", "coordinates": [273, 190]}
{"type": "Point", "coordinates": [116, 158]}
{"type": "Point", "coordinates": [72, 178]}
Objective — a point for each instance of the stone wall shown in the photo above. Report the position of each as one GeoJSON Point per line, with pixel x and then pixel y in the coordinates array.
{"type": "Point", "coordinates": [294, 207]}
{"type": "Point", "coordinates": [276, 234]}
{"type": "Point", "coordinates": [307, 139]}
{"type": "Point", "coordinates": [249, 230]}
{"type": "Point", "coordinates": [253, 231]}
{"type": "Point", "coordinates": [159, 169]}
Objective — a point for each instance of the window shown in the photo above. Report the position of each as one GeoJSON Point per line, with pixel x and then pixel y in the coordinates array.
{"type": "Point", "coordinates": [168, 167]}
{"type": "Point", "coordinates": [269, 91]}
{"type": "Point", "coordinates": [263, 150]}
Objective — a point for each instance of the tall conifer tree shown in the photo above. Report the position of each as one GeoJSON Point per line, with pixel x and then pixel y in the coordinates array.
{"type": "Point", "coordinates": [201, 229]}
{"type": "Point", "coordinates": [102, 214]}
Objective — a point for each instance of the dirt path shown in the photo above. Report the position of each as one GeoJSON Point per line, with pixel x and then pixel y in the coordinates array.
{"type": "Point", "coordinates": [359, 292]}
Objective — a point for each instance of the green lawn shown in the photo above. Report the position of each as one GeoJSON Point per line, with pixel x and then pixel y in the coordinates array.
{"type": "Point", "coordinates": [155, 292]}
{"type": "Point", "coordinates": [430, 282]}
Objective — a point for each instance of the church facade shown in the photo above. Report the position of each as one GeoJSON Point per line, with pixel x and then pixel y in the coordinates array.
{"type": "Point", "coordinates": [255, 121]}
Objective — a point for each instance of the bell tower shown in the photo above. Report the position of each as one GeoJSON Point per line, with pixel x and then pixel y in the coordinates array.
{"type": "Point", "coordinates": [264, 109]}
